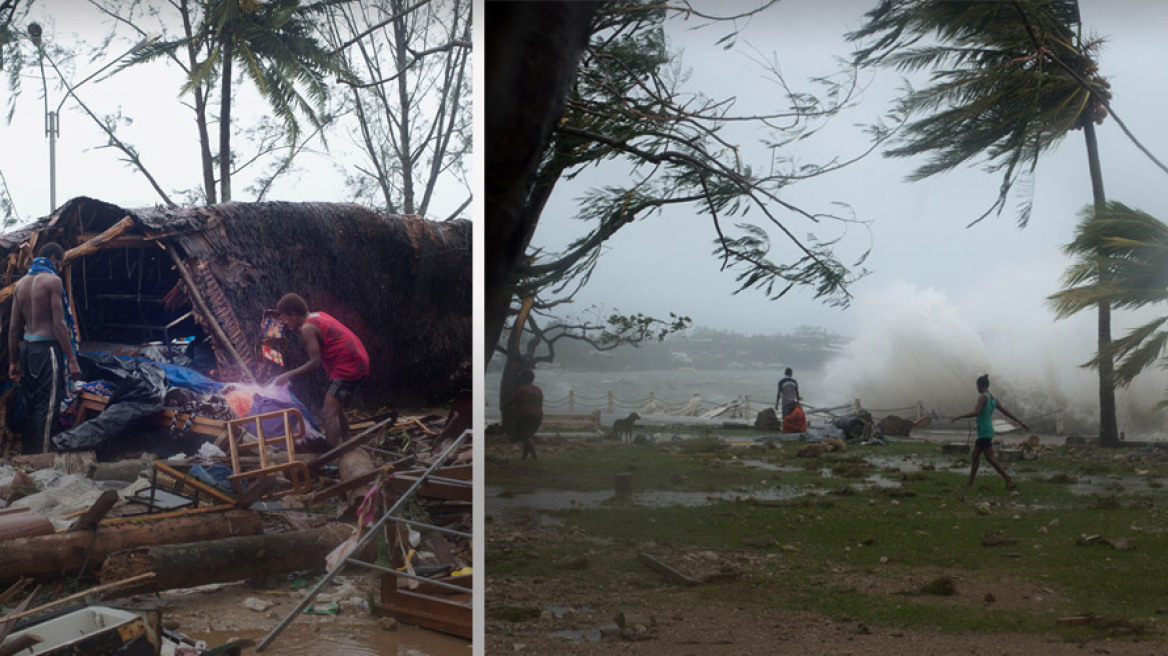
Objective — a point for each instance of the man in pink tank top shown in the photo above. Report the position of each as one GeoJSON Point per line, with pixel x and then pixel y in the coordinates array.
{"type": "Point", "coordinates": [330, 345]}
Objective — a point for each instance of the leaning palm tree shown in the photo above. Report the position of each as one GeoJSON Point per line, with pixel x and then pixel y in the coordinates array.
{"type": "Point", "coordinates": [276, 47]}
{"type": "Point", "coordinates": [1009, 79]}
{"type": "Point", "coordinates": [1120, 261]}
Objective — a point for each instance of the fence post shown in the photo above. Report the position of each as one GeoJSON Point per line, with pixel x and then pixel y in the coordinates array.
{"type": "Point", "coordinates": [571, 402]}
{"type": "Point", "coordinates": [1058, 423]}
{"type": "Point", "coordinates": [610, 402]}
{"type": "Point", "coordinates": [858, 406]}
{"type": "Point", "coordinates": [920, 410]}
{"type": "Point", "coordinates": [747, 415]}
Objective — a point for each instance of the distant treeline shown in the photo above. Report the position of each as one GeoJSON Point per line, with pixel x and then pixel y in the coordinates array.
{"type": "Point", "coordinates": [707, 349]}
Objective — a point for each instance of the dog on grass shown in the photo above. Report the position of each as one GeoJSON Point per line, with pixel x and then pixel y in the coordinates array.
{"type": "Point", "coordinates": [624, 427]}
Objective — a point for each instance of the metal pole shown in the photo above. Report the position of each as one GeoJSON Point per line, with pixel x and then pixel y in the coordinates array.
{"type": "Point", "coordinates": [52, 128]}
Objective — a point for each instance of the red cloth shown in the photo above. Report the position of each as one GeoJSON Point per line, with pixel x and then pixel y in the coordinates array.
{"type": "Point", "coordinates": [341, 352]}
{"type": "Point", "coordinates": [795, 422]}
{"type": "Point", "coordinates": [528, 401]}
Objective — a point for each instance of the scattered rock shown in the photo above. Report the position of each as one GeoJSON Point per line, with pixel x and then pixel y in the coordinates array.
{"type": "Point", "coordinates": [257, 604]}
{"type": "Point", "coordinates": [995, 539]}
{"type": "Point", "coordinates": [387, 623]}
{"type": "Point", "coordinates": [576, 562]}
{"type": "Point", "coordinates": [761, 541]}
{"type": "Point", "coordinates": [990, 598]}
{"type": "Point", "coordinates": [768, 420]}
{"type": "Point", "coordinates": [628, 620]}
{"type": "Point", "coordinates": [893, 425]}
{"type": "Point", "coordinates": [944, 587]}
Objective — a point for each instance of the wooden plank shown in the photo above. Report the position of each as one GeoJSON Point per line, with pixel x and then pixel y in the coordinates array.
{"type": "Point", "coordinates": [670, 572]}
{"type": "Point", "coordinates": [446, 613]}
{"type": "Point", "coordinates": [434, 489]}
{"type": "Point", "coordinates": [106, 587]}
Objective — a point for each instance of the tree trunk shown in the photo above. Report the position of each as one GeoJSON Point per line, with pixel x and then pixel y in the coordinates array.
{"type": "Point", "coordinates": [225, 123]}
{"type": "Point", "coordinates": [405, 147]}
{"type": "Point", "coordinates": [533, 51]}
{"type": "Point", "coordinates": [1108, 426]}
{"type": "Point", "coordinates": [61, 555]}
{"type": "Point", "coordinates": [224, 560]}
{"type": "Point", "coordinates": [200, 110]}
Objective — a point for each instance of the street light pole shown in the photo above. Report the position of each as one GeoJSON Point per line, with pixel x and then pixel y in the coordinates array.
{"type": "Point", "coordinates": [52, 118]}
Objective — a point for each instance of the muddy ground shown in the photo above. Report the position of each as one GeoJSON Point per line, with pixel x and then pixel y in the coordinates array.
{"type": "Point", "coordinates": [222, 613]}
{"type": "Point", "coordinates": [647, 614]}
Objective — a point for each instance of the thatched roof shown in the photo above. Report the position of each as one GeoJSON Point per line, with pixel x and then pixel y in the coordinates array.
{"type": "Point", "coordinates": [403, 284]}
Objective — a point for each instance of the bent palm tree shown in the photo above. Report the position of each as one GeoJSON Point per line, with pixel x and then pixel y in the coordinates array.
{"type": "Point", "coordinates": [1121, 254]}
{"type": "Point", "coordinates": [1009, 81]}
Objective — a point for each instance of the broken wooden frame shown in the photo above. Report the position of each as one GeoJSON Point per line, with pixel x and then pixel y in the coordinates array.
{"type": "Point", "coordinates": [296, 471]}
{"type": "Point", "coordinates": [373, 530]}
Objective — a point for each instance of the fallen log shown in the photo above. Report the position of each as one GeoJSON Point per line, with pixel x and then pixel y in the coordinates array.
{"type": "Point", "coordinates": [231, 559]}
{"type": "Point", "coordinates": [91, 517]}
{"type": "Point", "coordinates": [24, 525]}
{"type": "Point", "coordinates": [60, 555]}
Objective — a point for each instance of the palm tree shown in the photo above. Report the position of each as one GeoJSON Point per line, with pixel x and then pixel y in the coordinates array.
{"type": "Point", "coordinates": [276, 47]}
{"type": "Point", "coordinates": [1009, 80]}
{"type": "Point", "coordinates": [1121, 254]}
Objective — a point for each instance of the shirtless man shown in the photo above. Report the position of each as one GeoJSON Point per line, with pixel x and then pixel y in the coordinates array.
{"type": "Point", "coordinates": [39, 334]}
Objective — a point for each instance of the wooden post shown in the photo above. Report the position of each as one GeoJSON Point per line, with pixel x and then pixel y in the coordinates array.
{"type": "Point", "coordinates": [571, 402]}
{"type": "Point", "coordinates": [624, 486]}
{"type": "Point", "coordinates": [858, 406]}
{"type": "Point", "coordinates": [920, 410]}
{"type": "Point", "coordinates": [197, 299]}
{"type": "Point", "coordinates": [747, 415]}
{"type": "Point", "coordinates": [1058, 423]}
{"type": "Point", "coordinates": [610, 402]}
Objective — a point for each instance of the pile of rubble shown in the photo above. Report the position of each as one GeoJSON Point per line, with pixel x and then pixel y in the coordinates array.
{"type": "Point", "coordinates": [396, 498]}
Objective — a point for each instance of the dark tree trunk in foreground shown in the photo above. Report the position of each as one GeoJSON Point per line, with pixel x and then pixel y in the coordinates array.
{"type": "Point", "coordinates": [533, 51]}
{"type": "Point", "coordinates": [1108, 427]}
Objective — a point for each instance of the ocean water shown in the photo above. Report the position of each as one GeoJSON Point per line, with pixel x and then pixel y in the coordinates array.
{"type": "Point", "coordinates": [632, 390]}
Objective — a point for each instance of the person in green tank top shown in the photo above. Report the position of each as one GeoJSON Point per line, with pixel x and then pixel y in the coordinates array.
{"type": "Point", "coordinates": [984, 411]}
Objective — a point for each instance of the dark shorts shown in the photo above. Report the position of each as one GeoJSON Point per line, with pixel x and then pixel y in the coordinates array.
{"type": "Point", "coordinates": [984, 443]}
{"type": "Point", "coordinates": [342, 390]}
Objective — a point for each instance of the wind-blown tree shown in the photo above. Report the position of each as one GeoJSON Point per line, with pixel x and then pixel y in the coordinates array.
{"type": "Point", "coordinates": [276, 47]}
{"type": "Point", "coordinates": [537, 331]}
{"type": "Point", "coordinates": [1008, 80]}
{"type": "Point", "coordinates": [1120, 254]}
{"type": "Point", "coordinates": [626, 111]}
{"type": "Point", "coordinates": [411, 99]}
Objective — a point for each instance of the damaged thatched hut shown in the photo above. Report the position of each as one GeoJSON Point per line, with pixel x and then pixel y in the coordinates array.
{"type": "Point", "coordinates": [134, 276]}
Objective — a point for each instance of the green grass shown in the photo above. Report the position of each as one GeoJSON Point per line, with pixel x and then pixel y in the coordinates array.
{"type": "Point", "coordinates": [926, 527]}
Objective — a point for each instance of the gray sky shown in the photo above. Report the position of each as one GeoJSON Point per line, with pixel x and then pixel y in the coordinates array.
{"type": "Point", "coordinates": [938, 292]}
{"type": "Point", "coordinates": [162, 129]}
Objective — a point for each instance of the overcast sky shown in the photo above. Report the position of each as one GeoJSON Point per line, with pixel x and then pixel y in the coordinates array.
{"type": "Point", "coordinates": [161, 127]}
{"type": "Point", "coordinates": [937, 291]}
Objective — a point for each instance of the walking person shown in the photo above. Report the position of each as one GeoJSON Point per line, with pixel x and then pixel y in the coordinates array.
{"type": "Point", "coordinates": [41, 348]}
{"type": "Point", "coordinates": [788, 396]}
{"type": "Point", "coordinates": [528, 404]}
{"type": "Point", "coordinates": [984, 410]}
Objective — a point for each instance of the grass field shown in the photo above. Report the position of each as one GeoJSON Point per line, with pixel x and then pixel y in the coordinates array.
{"type": "Point", "coordinates": [1076, 551]}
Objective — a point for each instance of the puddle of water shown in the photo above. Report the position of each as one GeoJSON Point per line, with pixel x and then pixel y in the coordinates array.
{"type": "Point", "coordinates": [302, 640]}
{"type": "Point", "coordinates": [546, 500]}
{"type": "Point", "coordinates": [559, 611]}
{"type": "Point", "coordinates": [590, 634]}
{"type": "Point", "coordinates": [767, 466]}
{"type": "Point", "coordinates": [1113, 487]}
